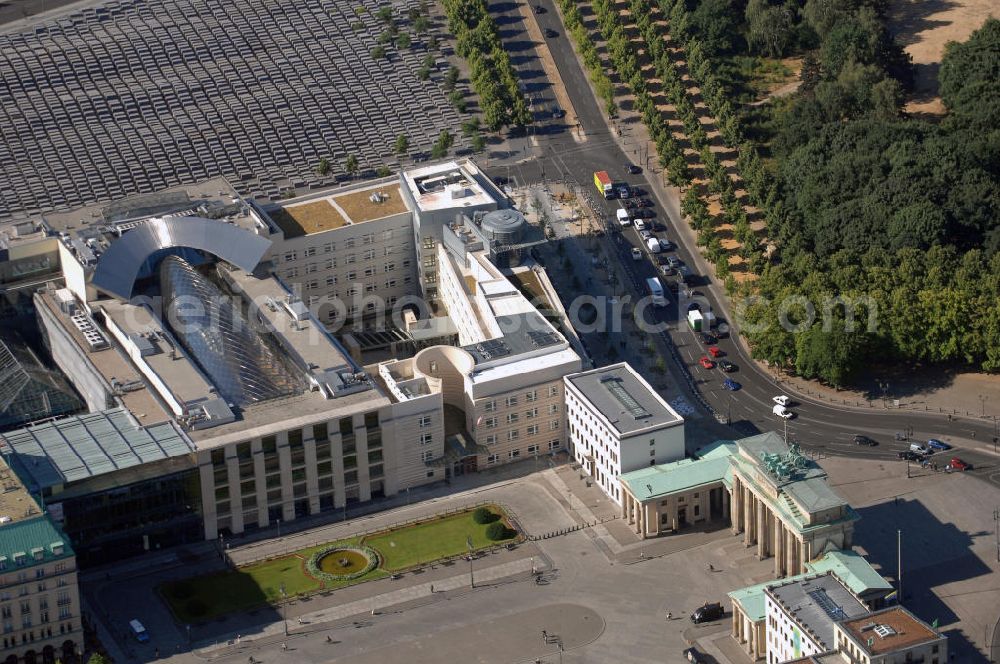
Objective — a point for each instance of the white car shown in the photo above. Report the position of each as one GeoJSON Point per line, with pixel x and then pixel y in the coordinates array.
{"type": "Point", "coordinates": [781, 400]}
{"type": "Point", "coordinates": [783, 412]}
{"type": "Point", "coordinates": [636, 254]}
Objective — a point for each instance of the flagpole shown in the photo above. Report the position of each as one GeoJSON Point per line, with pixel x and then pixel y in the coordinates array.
{"type": "Point", "coordinates": [472, 580]}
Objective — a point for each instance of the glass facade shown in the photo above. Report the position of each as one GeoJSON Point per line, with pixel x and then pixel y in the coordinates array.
{"type": "Point", "coordinates": [28, 391]}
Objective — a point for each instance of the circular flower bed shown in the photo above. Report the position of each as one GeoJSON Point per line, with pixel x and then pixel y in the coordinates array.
{"type": "Point", "coordinates": [326, 564]}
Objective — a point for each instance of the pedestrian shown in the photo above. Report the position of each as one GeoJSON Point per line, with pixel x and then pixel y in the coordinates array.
{"type": "Point", "coordinates": [284, 647]}
{"type": "Point", "coordinates": [670, 616]}
{"type": "Point", "coordinates": [545, 636]}
{"type": "Point", "coordinates": [329, 639]}
{"type": "Point", "coordinates": [432, 588]}
{"type": "Point", "coordinates": [711, 567]}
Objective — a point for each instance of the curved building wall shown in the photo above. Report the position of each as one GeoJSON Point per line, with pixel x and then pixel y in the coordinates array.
{"type": "Point", "coordinates": [240, 365]}
{"type": "Point", "coordinates": [446, 367]}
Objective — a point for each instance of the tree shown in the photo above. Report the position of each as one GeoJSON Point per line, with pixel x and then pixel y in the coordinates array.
{"type": "Point", "coordinates": [497, 531]}
{"type": "Point", "coordinates": [403, 40]}
{"type": "Point", "coordinates": [423, 73]}
{"type": "Point", "coordinates": [402, 144]}
{"type": "Point", "coordinates": [451, 78]}
{"type": "Point", "coordinates": [323, 167]}
{"type": "Point", "coordinates": [97, 658]}
{"type": "Point", "coordinates": [478, 142]}
{"type": "Point", "coordinates": [471, 126]}
{"type": "Point", "coordinates": [833, 356]}
{"type": "Point", "coordinates": [769, 29]}
{"type": "Point", "coordinates": [483, 515]}
{"type": "Point", "coordinates": [378, 52]}
{"type": "Point", "coordinates": [383, 171]}
{"type": "Point", "coordinates": [442, 144]}
{"type": "Point", "coordinates": [351, 164]}
{"type": "Point", "coordinates": [970, 77]}
{"type": "Point", "coordinates": [384, 14]}
{"type": "Point", "coordinates": [421, 25]}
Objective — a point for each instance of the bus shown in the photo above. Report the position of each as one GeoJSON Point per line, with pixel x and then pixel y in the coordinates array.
{"type": "Point", "coordinates": [656, 291]}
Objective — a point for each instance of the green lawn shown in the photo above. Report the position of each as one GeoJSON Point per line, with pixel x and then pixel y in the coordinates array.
{"type": "Point", "coordinates": [429, 541]}
{"type": "Point", "coordinates": [206, 597]}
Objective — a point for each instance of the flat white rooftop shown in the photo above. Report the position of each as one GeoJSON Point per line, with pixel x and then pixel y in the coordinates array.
{"type": "Point", "coordinates": [446, 185]}
{"type": "Point", "coordinates": [624, 399]}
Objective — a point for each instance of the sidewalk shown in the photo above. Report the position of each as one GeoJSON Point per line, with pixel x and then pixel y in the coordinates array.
{"type": "Point", "coordinates": [414, 596]}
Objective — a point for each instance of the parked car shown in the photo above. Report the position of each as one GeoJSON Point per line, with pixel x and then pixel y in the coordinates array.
{"type": "Point", "coordinates": [722, 329]}
{"type": "Point", "coordinates": [936, 444]}
{"type": "Point", "coordinates": [727, 366]}
{"type": "Point", "coordinates": [632, 169]}
{"type": "Point", "coordinates": [708, 339]}
{"type": "Point", "coordinates": [645, 202]}
{"type": "Point", "coordinates": [707, 613]}
{"type": "Point", "coordinates": [731, 384]}
{"type": "Point", "coordinates": [692, 655]}
{"type": "Point", "coordinates": [636, 254]}
{"type": "Point", "coordinates": [920, 449]}
{"type": "Point", "coordinates": [781, 400]}
{"type": "Point", "coordinates": [675, 262]}
{"type": "Point", "coordinates": [644, 234]}
{"type": "Point", "coordinates": [958, 464]}
{"type": "Point", "coordinates": [667, 271]}
{"type": "Point", "coordinates": [705, 362]}
{"type": "Point", "coordinates": [665, 245]}
{"type": "Point", "coordinates": [550, 33]}
{"type": "Point", "coordinates": [909, 455]}
{"type": "Point", "coordinates": [539, 9]}
{"type": "Point", "coordinates": [716, 352]}
{"type": "Point", "coordinates": [864, 440]}
{"type": "Point", "coordinates": [782, 412]}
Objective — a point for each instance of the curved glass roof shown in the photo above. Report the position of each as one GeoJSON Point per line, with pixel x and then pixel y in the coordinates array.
{"type": "Point", "coordinates": [214, 332]}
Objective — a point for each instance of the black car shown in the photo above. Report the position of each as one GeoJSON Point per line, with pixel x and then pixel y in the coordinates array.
{"type": "Point", "coordinates": [549, 32]}
{"type": "Point", "coordinates": [864, 440]}
{"type": "Point", "coordinates": [727, 366]}
{"type": "Point", "coordinates": [707, 613]}
{"type": "Point", "coordinates": [910, 455]}
{"type": "Point", "coordinates": [645, 202]}
{"type": "Point", "coordinates": [708, 339]}
{"type": "Point", "coordinates": [539, 9]}
{"type": "Point", "coordinates": [692, 655]}
{"type": "Point", "coordinates": [633, 169]}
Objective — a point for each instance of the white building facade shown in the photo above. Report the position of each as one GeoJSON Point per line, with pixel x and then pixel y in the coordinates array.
{"type": "Point", "coordinates": [617, 423]}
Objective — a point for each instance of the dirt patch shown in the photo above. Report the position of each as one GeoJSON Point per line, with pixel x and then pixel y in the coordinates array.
{"type": "Point", "coordinates": [360, 207]}
{"type": "Point", "coordinates": [923, 27]}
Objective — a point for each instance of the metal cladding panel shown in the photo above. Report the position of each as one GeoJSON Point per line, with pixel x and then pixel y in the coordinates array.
{"type": "Point", "coordinates": [241, 366]}
{"type": "Point", "coordinates": [119, 266]}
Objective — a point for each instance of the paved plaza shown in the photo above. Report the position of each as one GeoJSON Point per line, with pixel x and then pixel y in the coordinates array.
{"type": "Point", "coordinates": [128, 96]}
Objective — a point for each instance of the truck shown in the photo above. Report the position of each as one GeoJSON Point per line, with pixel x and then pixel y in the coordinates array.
{"type": "Point", "coordinates": [656, 291]}
{"type": "Point", "coordinates": [604, 184]}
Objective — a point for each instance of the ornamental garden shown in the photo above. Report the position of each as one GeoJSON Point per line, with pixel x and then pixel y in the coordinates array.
{"type": "Point", "coordinates": [338, 564]}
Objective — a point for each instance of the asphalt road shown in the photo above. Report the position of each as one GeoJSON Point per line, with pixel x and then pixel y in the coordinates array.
{"type": "Point", "coordinates": [554, 152]}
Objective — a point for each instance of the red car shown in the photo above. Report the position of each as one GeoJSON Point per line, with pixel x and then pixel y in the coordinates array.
{"type": "Point", "coordinates": [958, 464]}
{"type": "Point", "coordinates": [707, 363]}
{"type": "Point", "coordinates": [715, 351]}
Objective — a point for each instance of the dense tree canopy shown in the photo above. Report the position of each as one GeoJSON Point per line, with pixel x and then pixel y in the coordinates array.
{"type": "Point", "coordinates": [970, 78]}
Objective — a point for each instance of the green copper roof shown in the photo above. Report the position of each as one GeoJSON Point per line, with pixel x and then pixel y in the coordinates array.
{"type": "Point", "coordinates": [33, 541]}
{"type": "Point", "coordinates": [667, 478]}
{"type": "Point", "coordinates": [852, 569]}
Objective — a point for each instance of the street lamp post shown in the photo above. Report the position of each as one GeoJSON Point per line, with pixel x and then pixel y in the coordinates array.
{"type": "Point", "coordinates": [884, 386]}
{"type": "Point", "coordinates": [284, 611]}
{"type": "Point", "coordinates": [983, 398]}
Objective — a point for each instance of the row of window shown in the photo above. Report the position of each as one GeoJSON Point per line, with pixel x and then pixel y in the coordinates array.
{"type": "Point", "coordinates": [351, 275]}
{"type": "Point", "coordinates": [349, 243]}
{"type": "Point", "coordinates": [29, 637]}
{"type": "Point", "coordinates": [516, 454]}
{"type": "Point", "coordinates": [512, 400]}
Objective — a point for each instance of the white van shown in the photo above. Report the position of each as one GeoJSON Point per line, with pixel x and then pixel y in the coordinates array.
{"type": "Point", "coordinates": [623, 219]}
{"type": "Point", "coordinates": [919, 449]}
{"type": "Point", "coordinates": [138, 631]}
{"type": "Point", "coordinates": [640, 225]}
{"type": "Point", "coordinates": [654, 245]}
{"type": "Point", "coordinates": [782, 412]}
